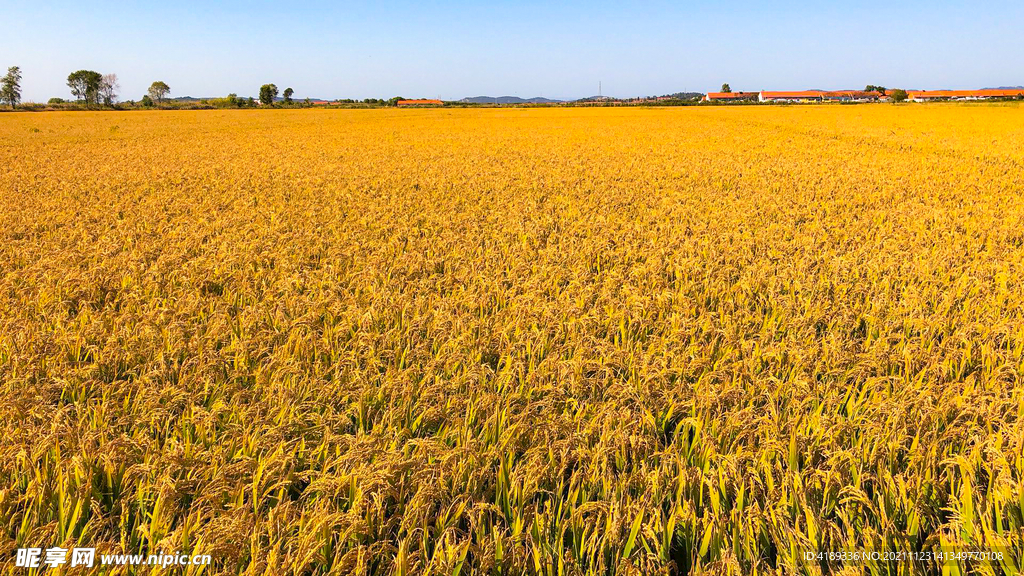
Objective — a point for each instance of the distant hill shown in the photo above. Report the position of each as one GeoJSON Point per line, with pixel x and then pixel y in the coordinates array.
{"type": "Point", "coordinates": [1006, 88]}
{"type": "Point", "coordinates": [685, 95]}
{"type": "Point", "coordinates": [507, 100]}
{"type": "Point", "coordinates": [673, 96]}
{"type": "Point", "coordinates": [194, 99]}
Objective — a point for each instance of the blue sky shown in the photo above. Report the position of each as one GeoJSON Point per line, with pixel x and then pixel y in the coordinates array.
{"type": "Point", "coordinates": [526, 48]}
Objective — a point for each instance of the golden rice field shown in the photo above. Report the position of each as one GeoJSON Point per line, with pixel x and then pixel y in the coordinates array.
{"type": "Point", "coordinates": [515, 341]}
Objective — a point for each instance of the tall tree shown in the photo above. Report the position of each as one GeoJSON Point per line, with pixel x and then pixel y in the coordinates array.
{"type": "Point", "coordinates": [726, 88]}
{"type": "Point", "coordinates": [288, 95]}
{"type": "Point", "coordinates": [267, 94]}
{"type": "Point", "coordinates": [108, 88]}
{"type": "Point", "coordinates": [10, 87]}
{"type": "Point", "coordinates": [158, 91]}
{"type": "Point", "coordinates": [85, 85]}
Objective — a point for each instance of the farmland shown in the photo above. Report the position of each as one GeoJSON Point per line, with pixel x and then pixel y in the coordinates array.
{"type": "Point", "coordinates": [554, 341]}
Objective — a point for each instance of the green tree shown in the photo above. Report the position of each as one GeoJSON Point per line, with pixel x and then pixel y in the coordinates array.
{"type": "Point", "coordinates": [55, 101]}
{"type": "Point", "coordinates": [10, 87]}
{"type": "Point", "coordinates": [899, 95]}
{"type": "Point", "coordinates": [267, 94]}
{"type": "Point", "coordinates": [873, 88]}
{"type": "Point", "coordinates": [726, 88]}
{"type": "Point", "coordinates": [146, 101]}
{"type": "Point", "coordinates": [158, 91]}
{"type": "Point", "coordinates": [85, 85]}
{"type": "Point", "coordinates": [288, 95]}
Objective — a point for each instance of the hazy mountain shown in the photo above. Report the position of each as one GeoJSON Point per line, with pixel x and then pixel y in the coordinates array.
{"type": "Point", "coordinates": [194, 99]}
{"type": "Point", "coordinates": [1006, 88]}
{"type": "Point", "coordinates": [507, 100]}
{"type": "Point", "coordinates": [685, 95]}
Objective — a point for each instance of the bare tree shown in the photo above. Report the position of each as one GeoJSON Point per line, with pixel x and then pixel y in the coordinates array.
{"type": "Point", "coordinates": [109, 88]}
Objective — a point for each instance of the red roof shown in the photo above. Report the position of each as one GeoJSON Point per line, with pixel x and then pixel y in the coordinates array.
{"type": "Point", "coordinates": [730, 95]}
{"type": "Point", "coordinates": [850, 94]}
{"type": "Point", "coordinates": [797, 94]}
{"type": "Point", "coordinates": [420, 103]}
{"type": "Point", "coordinates": [995, 93]}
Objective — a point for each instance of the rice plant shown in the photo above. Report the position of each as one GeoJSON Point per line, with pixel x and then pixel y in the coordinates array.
{"type": "Point", "coordinates": [515, 341]}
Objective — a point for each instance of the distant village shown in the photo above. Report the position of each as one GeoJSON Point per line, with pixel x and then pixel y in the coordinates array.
{"type": "Point", "coordinates": [881, 95]}
{"type": "Point", "coordinates": [878, 94]}
{"type": "Point", "coordinates": [870, 94]}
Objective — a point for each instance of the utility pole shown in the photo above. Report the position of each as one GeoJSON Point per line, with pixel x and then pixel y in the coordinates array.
{"type": "Point", "coordinates": [598, 88]}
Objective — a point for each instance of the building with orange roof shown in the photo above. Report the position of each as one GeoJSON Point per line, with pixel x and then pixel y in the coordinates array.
{"type": "Point", "coordinates": [729, 96]}
{"type": "Point", "coordinates": [930, 95]}
{"type": "Point", "coordinates": [820, 96]}
{"type": "Point", "coordinates": [420, 102]}
{"type": "Point", "coordinates": [851, 96]}
{"type": "Point", "coordinates": [811, 96]}
{"type": "Point", "coordinates": [791, 96]}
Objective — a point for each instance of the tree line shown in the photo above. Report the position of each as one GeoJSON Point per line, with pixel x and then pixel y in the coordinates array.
{"type": "Point", "coordinates": [92, 88]}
